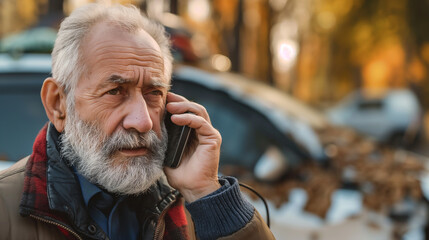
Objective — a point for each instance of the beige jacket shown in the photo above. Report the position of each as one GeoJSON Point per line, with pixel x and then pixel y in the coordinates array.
{"type": "Point", "coordinates": [14, 226]}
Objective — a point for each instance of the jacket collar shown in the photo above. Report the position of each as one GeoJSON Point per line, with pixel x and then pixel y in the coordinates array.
{"type": "Point", "coordinates": [51, 188]}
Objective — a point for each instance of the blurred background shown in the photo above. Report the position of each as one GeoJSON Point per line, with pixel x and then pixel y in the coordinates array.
{"type": "Point", "coordinates": [322, 104]}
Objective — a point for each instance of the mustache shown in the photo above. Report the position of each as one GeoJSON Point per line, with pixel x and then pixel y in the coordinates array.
{"type": "Point", "coordinates": [130, 139]}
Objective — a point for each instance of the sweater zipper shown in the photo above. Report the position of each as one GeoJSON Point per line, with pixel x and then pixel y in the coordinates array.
{"type": "Point", "coordinates": [57, 224]}
{"type": "Point", "coordinates": [161, 223]}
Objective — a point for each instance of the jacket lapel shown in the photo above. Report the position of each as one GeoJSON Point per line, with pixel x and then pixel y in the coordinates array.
{"type": "Point", "coordinates": [52, 191]}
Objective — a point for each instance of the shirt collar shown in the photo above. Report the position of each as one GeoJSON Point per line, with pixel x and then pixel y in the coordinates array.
{"type": "Point", "coordinates": [88, 189]}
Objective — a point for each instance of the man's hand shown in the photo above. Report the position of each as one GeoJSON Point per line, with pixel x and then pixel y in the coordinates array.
{"type": "Point", "coordinates": [196, 175]}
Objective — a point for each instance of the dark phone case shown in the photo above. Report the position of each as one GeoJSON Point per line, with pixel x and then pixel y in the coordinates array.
{"type": "Point", "coordinates": [178, 137]}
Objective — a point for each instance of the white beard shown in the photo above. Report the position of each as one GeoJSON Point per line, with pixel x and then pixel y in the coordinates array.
{"type": "Point", "coordinates": [94, 155]}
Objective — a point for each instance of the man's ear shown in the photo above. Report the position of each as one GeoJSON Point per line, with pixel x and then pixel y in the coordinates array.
{"type": "Point", "coordinates": [54, 101]}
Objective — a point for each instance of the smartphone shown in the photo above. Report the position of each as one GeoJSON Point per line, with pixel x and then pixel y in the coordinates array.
{"type": "Point", "coordinates": [178, 138]}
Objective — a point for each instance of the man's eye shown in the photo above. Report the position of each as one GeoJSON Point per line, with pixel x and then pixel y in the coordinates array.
{"type": "Point", "coordinates": [114, 91]}
{"type": "Point", "coordinates": [156, 92]}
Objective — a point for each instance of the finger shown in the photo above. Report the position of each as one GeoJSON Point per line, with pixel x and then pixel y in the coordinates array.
{"type": "Point", "coordinates": [172, 97]}
{"type": "Point", "coordinates": [192, 107]}
{"type": "Point", "coordinates": [178, 104]}
{"type": "Point", "coordinates": [201, 125]}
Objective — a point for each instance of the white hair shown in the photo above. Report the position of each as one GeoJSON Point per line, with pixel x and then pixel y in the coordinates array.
{"type": "Point", "coordinates": [67, 66]}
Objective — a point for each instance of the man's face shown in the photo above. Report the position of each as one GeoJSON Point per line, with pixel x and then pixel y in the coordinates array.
{"type": "Point", "coordinates": [116, 127]}
{"type": "Point", "coordinates": [124, 85]}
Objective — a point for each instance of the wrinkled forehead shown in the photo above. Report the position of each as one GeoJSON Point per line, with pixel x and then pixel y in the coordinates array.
{"type": "Point", "coordinates": [107, 38]}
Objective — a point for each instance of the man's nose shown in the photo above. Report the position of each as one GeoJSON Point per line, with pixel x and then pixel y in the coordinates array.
{"type": "Point", "coordinates": [138, 117]}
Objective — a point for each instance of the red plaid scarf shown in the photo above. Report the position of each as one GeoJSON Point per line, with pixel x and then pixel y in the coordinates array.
{"type": "Point", "coordinates": [35, 198]}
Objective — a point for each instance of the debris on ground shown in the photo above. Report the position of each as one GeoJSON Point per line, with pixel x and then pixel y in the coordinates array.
{"type": "Point", "coordinates": [383, 175]}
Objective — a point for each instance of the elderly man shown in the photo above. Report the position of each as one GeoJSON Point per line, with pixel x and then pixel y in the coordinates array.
{"type": "Point", "coordinates": [96, 171]}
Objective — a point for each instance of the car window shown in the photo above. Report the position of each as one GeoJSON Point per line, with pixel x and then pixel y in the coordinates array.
{"type": "Point", "coordinates": [246, 134]}
{"type": "Point", "coordinates": [21, 113]}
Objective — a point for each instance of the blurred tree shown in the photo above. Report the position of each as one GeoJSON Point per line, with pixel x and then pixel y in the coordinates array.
{"type": "Point", "coordinates": [343, 45]}
{"type": "Point", "coordinates": [374, 46]}
{"type": "Point", "coordinates": [53, 14]}
{"type": "Point", "coordinates": [17, 15]}
{"type": "Point", "coordinates": [227, 16]}
{"type": "Point", "coordinates": [417, 19]}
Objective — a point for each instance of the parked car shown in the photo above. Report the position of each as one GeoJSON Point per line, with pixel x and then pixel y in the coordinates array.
{"type": "Point", "coordinates": [391, 116]}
